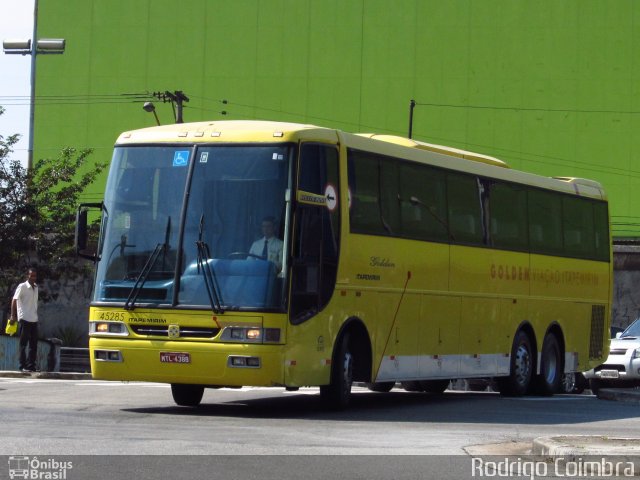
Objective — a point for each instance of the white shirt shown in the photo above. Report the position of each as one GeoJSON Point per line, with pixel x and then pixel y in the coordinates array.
{"type": "Point", "coordinates": [27, 302]}
{"type": "Point", "coordinates": [274, 250]}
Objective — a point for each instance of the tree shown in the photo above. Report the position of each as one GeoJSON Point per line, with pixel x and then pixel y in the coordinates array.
{"type": "Point", "coordinates": [37, 215]}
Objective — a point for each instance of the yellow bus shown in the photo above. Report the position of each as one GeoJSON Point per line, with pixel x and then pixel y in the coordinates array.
{"type": "Point", "coordinates": [386, 260]}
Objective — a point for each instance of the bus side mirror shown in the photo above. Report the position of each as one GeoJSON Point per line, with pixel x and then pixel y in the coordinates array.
{"type": "Point", "coordinates": [82, 230]}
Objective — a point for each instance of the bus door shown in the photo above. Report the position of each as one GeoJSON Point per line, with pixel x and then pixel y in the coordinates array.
{"type": "Point", "coordinates": [316, 235]}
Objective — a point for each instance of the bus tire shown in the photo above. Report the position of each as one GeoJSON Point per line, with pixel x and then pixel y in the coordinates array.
{"type": "Point", "coordinates": [521, 369]}
{"type": "Point", "coordinates": [382, 387]}
{"type": "Point", "coordinates": [581, 383]}
{"type": "Point", "coordinates": [336, 395]}
{"type": "Point", "coordinates": [551, 367]}
{"type": "Point", "coordinates": [595, 384]}
{"type": "Point", "coordinates": [187, 395]}
{"type": "Point", "coordinates": [434, 386]}
{"type": "Point", "coordinates": [411, 386]}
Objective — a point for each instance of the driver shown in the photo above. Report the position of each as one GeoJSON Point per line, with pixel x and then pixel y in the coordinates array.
{"type": "Point", "coordinates": [268, 247]}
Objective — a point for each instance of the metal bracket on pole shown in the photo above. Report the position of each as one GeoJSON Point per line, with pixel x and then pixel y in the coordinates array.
{"type": "Point", "coordinates": [412, 106]}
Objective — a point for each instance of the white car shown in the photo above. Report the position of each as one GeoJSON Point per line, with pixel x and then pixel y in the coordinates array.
{"type": "Point", "coordinates": [622, 368]}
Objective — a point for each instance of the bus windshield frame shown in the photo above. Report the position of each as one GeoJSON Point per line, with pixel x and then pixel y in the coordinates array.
{"type": "Point", "coordinates": [184, 226]}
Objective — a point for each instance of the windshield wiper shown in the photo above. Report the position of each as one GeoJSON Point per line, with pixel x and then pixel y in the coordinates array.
{"type": "Point", "coordinates": [142, 277]}
{"type": "Point", "coordinates": [146, 269]}
{"type": "Point", "coordinates": [204, 263]}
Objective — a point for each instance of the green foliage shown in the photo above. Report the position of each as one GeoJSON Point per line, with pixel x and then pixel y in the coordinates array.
{"type": "Point", "coordinates": [37, 215]}
{"type": "Point", "coordinates": [71, 336]}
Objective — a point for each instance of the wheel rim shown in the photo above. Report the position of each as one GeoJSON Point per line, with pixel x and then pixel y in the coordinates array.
{"type": "Point", "coordinates": [347, 370]}
{"type": "Point", "coordinates": [551, 368]}
{"type": "Point", "coordinates": [569, 382]}
{"type": "Point", "coordinates": [522, 364]}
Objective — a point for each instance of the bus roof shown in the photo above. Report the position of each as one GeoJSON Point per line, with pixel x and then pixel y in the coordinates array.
{"type": "Point", "coordinates": [217, 131]}
{"type": "Point", "coordinates": [441, 156]}
{"type": "Point", "coordinates": [431, 147]}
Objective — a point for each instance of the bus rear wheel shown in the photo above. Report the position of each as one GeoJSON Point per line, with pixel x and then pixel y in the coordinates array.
{"type": "Point", "coordinates": [434, 386]}
{"type": "Point", "coordinates": [411, 386]}
{"type": "Point", "coordinates": [382, 387]}
{"type": "Point", "coordinates": [551, 367]}
{"type": "Point", "coordinates": [336, 395]}
{"type": "Point", "coordinates": [187, 395]}
{"type": "Point", "coordinates": [521, 369]}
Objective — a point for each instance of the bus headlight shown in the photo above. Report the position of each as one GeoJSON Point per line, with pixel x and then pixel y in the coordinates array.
{"type": "Point", "coordinates": [118, 329]}
{"type": "Point", "coordinates": [250, 335]}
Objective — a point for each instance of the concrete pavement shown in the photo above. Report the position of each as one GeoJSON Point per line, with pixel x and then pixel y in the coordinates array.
{"type": "Point", "coordinates": [570, 448]}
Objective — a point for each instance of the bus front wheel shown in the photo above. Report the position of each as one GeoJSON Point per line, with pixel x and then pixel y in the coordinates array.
{"type": "Point", "coordinates": [336, 394]}
{"type": "Point", "coordinates": [521, 367]}
{"type": "Point", "coordinates": [187, 395]}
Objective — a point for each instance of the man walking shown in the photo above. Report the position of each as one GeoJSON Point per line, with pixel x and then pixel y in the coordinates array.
{"type": "Point", "coordinates": [24, 307]}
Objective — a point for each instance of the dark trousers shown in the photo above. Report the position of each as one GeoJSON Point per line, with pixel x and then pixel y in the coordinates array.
{"type": "Point", "coordinates": [28, 335]}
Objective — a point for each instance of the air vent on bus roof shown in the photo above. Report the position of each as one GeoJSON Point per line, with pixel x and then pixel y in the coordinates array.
{"type": "Point", "coordinates": [580, 181]}
{"type": "Point", "coordinates": [584, 186]}
{"type": "Point", "coordinates": [455, 152]}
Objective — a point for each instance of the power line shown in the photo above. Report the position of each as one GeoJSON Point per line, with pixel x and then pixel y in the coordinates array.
{"type": "Point", "coordinates": [553, 159]}
{"type": "Point", "coordinates": [526, 109]}
{"type": "Point", "coordinates": [126, 98]}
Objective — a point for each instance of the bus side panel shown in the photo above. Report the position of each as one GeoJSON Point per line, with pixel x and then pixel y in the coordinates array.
{"type": "Point", "coordinates": [494, 287]}
{"type": "Point", "coordinates": [568, 291]}
{"type": "Point", "coordinates": [399, 346]}
{"type": "Point", "coordinates": [388, 277]}
{"type": "Point", "coordinates": [439, 336]}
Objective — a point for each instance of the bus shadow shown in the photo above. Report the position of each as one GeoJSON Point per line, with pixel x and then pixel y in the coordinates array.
{"type": "Point", "coordinates": [450, 407]}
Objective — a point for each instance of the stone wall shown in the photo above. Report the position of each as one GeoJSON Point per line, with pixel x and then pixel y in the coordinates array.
{"type": "Point", "coordinates": [66, 315]}
{"type": "Point", "coordinates": [626, 284]}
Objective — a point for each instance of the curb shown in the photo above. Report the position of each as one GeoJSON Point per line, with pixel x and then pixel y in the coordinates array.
{"type": "Point", "coordinates": [574, 448]}
{"type": "Point", "coordinates": [47, 375]}
{"type": "Point", "coordinates": [620, 395]}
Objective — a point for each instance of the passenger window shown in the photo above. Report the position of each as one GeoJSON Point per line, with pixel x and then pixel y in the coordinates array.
{"type": "Point", "coordinates": [577, 216]}
{"type": "Point", "coordinates": [508, 216]}
{"type": "Point", "coordinates": [364, 185]}
{"type": "Point", "coordinates": [545, 222]}
{"type": "Point", "coordinates": [601, 221]}
{"type": "Point", "coordinates": [423, 209]}
{"type": "Point", "coordinates": [464, 209]}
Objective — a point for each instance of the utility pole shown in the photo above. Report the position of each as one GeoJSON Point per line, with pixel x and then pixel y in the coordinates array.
{"type": "Point", "coordinates": [412, 106]}
{"type": "Point", "coordinates": [33, 47]}
{"type": "Point", "coordinates": [177, 99]}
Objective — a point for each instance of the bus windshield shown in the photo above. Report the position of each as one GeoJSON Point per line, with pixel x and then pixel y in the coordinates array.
{"type": "Point", "coordinates": [216, 240]}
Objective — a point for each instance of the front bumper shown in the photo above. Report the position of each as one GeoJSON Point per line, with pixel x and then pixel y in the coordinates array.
{"type": "Point", "coordinates": [617, 368]}
{"type": "Point", "coordinates": [209, 364]}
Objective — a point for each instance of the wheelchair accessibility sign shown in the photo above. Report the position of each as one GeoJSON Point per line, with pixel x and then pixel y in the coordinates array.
{"type": "Point", "coordinates": [181, 158]}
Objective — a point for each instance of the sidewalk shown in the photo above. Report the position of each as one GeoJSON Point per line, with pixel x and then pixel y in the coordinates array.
{"type": "Point", "coordinates": [46, 375]}
{"type": "Point", "coordinates": [571, 448]}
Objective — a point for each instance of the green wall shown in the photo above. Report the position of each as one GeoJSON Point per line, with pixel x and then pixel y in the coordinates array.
{"type": "Point", "coordinates": [550, 86]}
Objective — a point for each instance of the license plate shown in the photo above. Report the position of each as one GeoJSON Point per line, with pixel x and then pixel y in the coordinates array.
{"type": "Point", "coordinates": [609, 374]}
{"type": "Point", "coordinates": [175, 357]}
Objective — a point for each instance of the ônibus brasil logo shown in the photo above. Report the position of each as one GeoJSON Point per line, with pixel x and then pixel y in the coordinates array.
{"type": "Point", "coordinates": [36, 469]}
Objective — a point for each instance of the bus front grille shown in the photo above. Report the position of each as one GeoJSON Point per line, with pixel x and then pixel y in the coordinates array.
{"type": "Point", "coordinates": [185, 332]}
